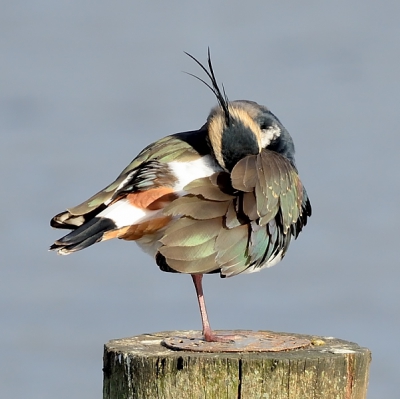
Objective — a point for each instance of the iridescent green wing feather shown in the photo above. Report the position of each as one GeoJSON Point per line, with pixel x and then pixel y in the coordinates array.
{"type": "Point", "coordinates": [277, 187]}
{"type": "Point", "coordinates": [235, 222]}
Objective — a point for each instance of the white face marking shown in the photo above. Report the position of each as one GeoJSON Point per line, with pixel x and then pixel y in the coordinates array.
{"type": "Point", "coordinates": [270, 134]}
{"type": "Point", "coordinates": [186, 172]}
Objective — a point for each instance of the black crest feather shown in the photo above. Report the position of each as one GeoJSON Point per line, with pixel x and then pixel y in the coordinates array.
{"type": "Point", "coordinates": [220, 95]}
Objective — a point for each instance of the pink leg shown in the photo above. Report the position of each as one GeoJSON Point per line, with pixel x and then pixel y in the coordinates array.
{"type": "Point", "coordinates": [209, 336]}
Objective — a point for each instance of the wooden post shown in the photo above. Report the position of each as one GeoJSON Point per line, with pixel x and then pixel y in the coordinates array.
{"type": "Point", "coordinates": [140, 367]}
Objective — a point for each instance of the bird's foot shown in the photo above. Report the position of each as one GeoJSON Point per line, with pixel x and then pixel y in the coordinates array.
{"type": "Point", "coordinates": [209, 336]}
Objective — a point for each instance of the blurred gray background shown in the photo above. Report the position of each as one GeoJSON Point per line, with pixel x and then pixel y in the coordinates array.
{"type": "Point", "coordinates": [85, 85]}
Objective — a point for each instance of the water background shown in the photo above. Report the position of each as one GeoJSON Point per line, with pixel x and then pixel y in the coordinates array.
{"type": "Point", "coordinates": [85, 85]}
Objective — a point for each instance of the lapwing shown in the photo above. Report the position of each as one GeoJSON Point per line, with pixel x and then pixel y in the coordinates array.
{"type": "Point", "coordinates": [226, 198]}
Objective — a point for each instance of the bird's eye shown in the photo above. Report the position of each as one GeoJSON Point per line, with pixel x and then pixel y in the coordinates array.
{"type": "Point", "coordinates": [264, 125]}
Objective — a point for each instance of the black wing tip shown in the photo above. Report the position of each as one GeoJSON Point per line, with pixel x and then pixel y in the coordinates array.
{"type": "Point", "coordinates": [60, 249]}
{"type": "Point", "coordinates": [297, 227]}
{"type": "Point", "coordinates": [54, 247]}
{"type": "Point", "coordinates": [308, 207]}
{"type": "Point", "coordinates": [66, 249]}
{"type": "Point", "coordinates": [83, 236]}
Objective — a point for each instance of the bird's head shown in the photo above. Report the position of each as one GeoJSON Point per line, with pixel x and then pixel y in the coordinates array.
{"type": "Point", "coordinates": [240, 128]}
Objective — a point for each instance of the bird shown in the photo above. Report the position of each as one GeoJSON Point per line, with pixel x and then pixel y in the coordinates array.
{"type": "Point", "coordinates": [225, 198]}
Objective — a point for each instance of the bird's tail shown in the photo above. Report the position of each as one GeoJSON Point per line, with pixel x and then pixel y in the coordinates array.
{"type": "Point", "coordinates": [84, 236]}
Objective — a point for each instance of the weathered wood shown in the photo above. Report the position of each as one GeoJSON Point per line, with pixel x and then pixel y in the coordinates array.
{"type": "Point", "coordinates": [140, 367]}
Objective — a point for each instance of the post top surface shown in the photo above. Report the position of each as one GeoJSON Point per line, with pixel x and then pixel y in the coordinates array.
{"type": "Point", "coordinates": [310, 346]}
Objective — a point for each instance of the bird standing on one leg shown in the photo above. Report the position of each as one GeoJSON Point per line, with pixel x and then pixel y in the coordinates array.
{"type": "Point", "coordinates": [226, 198]}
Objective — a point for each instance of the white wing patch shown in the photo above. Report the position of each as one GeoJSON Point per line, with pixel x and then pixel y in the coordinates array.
{"type": "Point", "coordinates": [186, 172]}
{"type": "Point", "coordinates": [122, 213]}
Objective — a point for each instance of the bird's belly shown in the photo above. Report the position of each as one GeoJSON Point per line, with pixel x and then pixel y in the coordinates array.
{"type": "Point", "coordinates": [150, 243]}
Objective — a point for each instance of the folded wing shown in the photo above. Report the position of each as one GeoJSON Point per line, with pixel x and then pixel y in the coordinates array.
{"type": "Point", "coordinates": [238, 222]}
